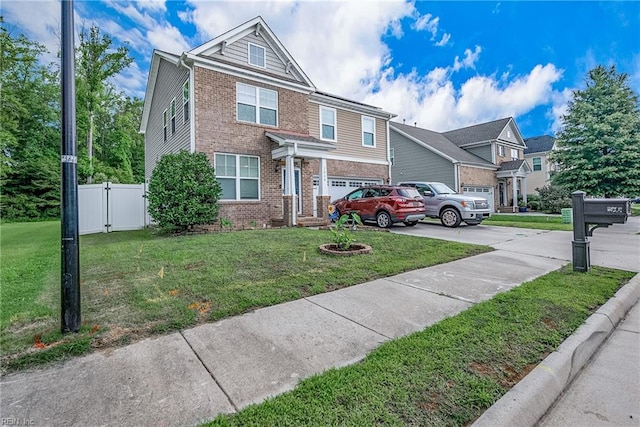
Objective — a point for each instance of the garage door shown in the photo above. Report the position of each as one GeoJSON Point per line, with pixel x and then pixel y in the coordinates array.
{"type": "Point", "coordinates": [484, 192]}
{"type": "Point", "coordinates": [340, 186]}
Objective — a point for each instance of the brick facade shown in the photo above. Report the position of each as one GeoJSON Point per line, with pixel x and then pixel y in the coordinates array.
{"type": "Point", "coordinates": [218, 131]}
{"type": "Point", "coordinates": [477, 177]}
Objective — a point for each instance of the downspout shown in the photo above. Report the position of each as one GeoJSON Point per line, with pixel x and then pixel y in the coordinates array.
{"type": "Point", "coordinates": [389, 153]}
{"type": "Point", "coordinates": [456, 176]}
{"type": "Point", "coordinates": [292, 190]}
{"type": "Point", "coordinates": [192, 101]}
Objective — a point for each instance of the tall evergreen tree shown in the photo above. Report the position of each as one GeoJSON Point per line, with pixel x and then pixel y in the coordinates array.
{"type": "Point", "coordinates": [598, 149]}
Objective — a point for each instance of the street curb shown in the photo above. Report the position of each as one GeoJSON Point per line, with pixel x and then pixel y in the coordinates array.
{"type": "Point", "coordinates": [532, 397]}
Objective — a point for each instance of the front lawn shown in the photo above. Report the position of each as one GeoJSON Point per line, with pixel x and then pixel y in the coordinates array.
{"type": "Point", "coordinates": [451, 372]}
{"type": "Point", "coordinates": [540, 222]}
{"type": "Point", "coordinates": [136, 284]}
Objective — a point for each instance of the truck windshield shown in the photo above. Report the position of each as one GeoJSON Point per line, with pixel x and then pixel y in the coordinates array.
{"type": "Point", "coordinates": [440, 188]}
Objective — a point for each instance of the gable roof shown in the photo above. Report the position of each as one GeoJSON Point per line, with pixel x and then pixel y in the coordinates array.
{"type": "Point", "coordinates": [439, 144]}
{"type": "Point", "coordinates": [539, 144]}
{"type": "Point", "coordinates": [259, 26]}
{"type": "Point", "coordinates": [478, 133]}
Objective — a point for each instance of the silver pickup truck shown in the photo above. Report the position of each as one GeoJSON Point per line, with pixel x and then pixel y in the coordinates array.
{"type": "Point", "coordinates": [452, 208]}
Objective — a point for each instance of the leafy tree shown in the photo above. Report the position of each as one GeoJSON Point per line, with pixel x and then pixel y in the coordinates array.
{"type": "Point", "coordinates": [183, 192]}
{"type": "Point", "coordinates": [29, 130]}
{"type": "Point", "coordinates": [599, 145]}
{"type": "Point", "coordinates": [97, 61]}
{"type": "Point", "coordinates": [553, 198]}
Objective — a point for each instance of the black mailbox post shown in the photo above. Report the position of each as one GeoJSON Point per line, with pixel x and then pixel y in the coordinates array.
{"type": "Point", "coordinates": [589, 214]}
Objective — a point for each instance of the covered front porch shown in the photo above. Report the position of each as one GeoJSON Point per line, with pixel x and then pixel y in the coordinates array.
{"type": "Point", "coordinates": [512, 184]}
{"type": "Point", "coordinates": [293, 152]}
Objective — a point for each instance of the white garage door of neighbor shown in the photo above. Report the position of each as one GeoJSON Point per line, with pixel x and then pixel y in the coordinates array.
{"type": "Point", "coordinates": [484, 192]}
{"type": "Point", "coordinates": [339, 186]}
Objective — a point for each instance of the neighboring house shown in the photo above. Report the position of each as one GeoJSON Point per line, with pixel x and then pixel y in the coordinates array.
{"type": "Point", "coordinates": [537, 156]}
{"type": "Point", "coordinates": [281, 148]}
{"type": "Point", "coordinates": [484, 160]}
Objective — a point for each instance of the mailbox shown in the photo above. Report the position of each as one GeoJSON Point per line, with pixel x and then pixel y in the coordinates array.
{"type": "Point", "coordinates": [589, 214]}
{"type": "Point", "coordinates": [606, 211]}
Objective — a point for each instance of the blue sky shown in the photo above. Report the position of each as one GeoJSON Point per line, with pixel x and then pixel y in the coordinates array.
{"type": "Point", "coordinates": [442, 65]}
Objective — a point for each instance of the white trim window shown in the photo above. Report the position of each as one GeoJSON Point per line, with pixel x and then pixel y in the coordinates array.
{"type": "Point", "coordinates": [514, 154]}
{"type": "Point", "coordinates": [238, 175]}
{"type": "Point", "coordinates": [256, 105]}
{"type": "Point", "coordinates": [537, 163]}
{"type": "Point", "coordinates": [185, 102]}
{"type": "Point", "coordinates": [500, 150]}
{"type": "Point", "coordinates": [164, 124]}
{"type": "Point", "coordinates": [368, 131]}
{"type": "Point", "coordinates": [328, 128]}
{"type": "Point", "coordinates": [173, 116]}
{"type": "Point", "coordinates": [256, 55]}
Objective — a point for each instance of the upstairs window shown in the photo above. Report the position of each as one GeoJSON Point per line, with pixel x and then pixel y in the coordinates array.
{"type": "Point", "coordinates": [501, 150]}
{"type": "Point", "coordinates": [164, 124]}
{"type": "Point", "coordinates": [185, 102]}
{"type": "Point", "coordinates": [257, 105]}
{"type": "Point", "coordinates": [173, 116]}
{"type": "Point", "coordinates": [514, 154]}
{"type": "Point", "coordinates": [537, 164]}
{"type": "Point", "coordinates": [368, 132]}
{"type": "Point", "coordinates": [327, 123]}
{"type": "Point", "coordinates": [257, 55]}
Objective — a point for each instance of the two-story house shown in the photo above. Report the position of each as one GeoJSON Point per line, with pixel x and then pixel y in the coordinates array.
{"type": "Point", "coordinates": [281, 148]}
{"type": "Point", "coordinates": [537, 156]}
{"type": "Point", "coordinates": [484, 160]}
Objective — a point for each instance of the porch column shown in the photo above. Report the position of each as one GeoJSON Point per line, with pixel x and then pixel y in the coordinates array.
{"type": "Point", "coordinates": [515, 192]}
{"type": "Point", "coordinates": [291, 190]}
{"type": "Point", "coordinates": [323, 189]}
{"type": "Point", "coordinates": [524, 190]}
{"type": "Point", "coordinates": [323, 199]}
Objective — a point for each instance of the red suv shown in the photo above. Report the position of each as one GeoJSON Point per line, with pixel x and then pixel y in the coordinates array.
{"type": "Point", "coordinates": [384, 204]}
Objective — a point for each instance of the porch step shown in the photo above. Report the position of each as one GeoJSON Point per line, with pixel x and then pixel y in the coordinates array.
{"type": "Point", "coordinates": [277, 222]}
{"type": "Point", "coordinates": [311, 221]}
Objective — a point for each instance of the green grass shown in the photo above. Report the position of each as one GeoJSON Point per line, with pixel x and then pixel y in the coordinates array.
{"type": "Point", "coordinates": [450, 373]}
{"type": "Point", "coordinates": [136, 284]}
{"type": "Point", "coordinates": [540, 222]}
{"type": "Point", "coordinates": [635, 209]}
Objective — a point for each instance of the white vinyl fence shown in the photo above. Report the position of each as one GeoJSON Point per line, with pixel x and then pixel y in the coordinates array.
{"type": "Point", "coordinates": [107, 207]}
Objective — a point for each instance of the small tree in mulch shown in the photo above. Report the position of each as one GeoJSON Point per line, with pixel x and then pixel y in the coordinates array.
{"type": "Point", "coordinates": [183, 192]}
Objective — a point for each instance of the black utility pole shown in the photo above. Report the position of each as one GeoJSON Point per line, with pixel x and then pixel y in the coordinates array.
{"type": "Point", "coordinates": [70, 283]}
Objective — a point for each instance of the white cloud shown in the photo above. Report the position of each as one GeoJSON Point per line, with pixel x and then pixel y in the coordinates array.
{"type": "Point", "coordinates": [434, 103]}
{"type": "Point", "coordinates": [430, 24]}
{"type": "Point", "coordinates": [560, 104]}
{"type": "Point", "coordinates": [426, 23]}
{"type": "Point", "coordinates": [469, 59]}
{"type": "Point", "coordinates": [444, 40]}
{"type": "Point", "coordinates": [43, 26]}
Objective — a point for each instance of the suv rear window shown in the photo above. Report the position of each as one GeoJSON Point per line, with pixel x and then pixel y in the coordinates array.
{"type": "Point", "coordinates": [410, 193]}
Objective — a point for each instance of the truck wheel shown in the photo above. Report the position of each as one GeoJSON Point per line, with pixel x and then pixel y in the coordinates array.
{"type": "Point", "coordinates": [383, 219]}
{"type": "Point", "coordinates": [450, 218]}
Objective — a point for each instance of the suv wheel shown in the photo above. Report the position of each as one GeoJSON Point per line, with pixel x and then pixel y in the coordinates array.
{"type": "Point", "coordinates": [450, 218]}
{"type": "Point", "coordinates": [383, 219]}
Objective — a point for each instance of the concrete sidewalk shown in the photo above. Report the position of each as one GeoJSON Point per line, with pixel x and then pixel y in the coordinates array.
{"type": "Point", "coordinates": [189, 377]}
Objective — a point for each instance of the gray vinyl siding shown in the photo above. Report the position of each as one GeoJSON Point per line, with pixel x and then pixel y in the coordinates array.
{"type": "Point", "coordinates": [412, 162]}
{"type": "Point", "coordinates": [238, 52]}
{"type": "Point", "coordinates": [349, 133]}
{"type": "Point", "coordinates": [168, 86]}
{"type": "Point", "coordinates": [482, 152]}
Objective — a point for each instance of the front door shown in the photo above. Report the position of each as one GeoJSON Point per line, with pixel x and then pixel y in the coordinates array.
{"type": "Point", "coordinates": [296, 183]}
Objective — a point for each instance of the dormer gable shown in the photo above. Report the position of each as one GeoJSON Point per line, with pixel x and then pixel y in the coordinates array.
{"type": "Point", "coordinates": [253, 47]}
{"type": "Point", "coordinates": [511, 134]}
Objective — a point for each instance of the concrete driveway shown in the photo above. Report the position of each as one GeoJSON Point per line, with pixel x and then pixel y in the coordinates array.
{"type": "Point", "coordinates": [617, 246]}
